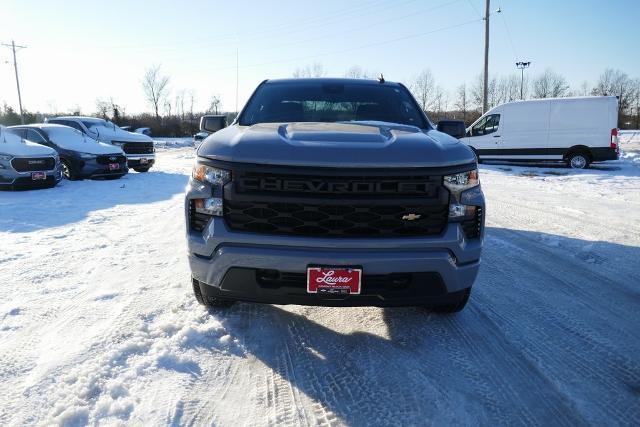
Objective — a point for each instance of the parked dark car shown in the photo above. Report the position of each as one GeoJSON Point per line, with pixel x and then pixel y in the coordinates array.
{"type": "Point", "coordinates": [137, 147]}
{"type": "Point", "coordinates": [80, 155]}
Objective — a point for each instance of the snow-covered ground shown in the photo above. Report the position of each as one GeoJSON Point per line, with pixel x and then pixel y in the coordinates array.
{"type": "Point", "coordinates": [98, 324]}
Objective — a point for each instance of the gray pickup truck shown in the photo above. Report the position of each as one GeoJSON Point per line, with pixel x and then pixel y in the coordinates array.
{"type": "Point", "coordinates": [334, 192]}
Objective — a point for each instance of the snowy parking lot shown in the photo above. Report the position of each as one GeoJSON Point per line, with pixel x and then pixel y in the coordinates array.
{"type": "Point", "coordinates": [98, 323]}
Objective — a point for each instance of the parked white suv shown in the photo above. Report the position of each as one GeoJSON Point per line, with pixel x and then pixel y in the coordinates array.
{"type": "Point", "coordinates": [137, 147]}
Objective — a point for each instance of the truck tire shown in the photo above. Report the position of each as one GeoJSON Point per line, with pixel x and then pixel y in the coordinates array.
{"type": "Point", "coordinates": [578, 160]}
{"type": "Point", "coordinates": [457, 301]}
{"type": "Point", "coordinates": [209, 301]}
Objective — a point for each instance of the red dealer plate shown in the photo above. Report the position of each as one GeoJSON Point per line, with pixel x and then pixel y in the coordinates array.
{"type": "Point", "coordinates": [114, 166]}
{"type": "Point", "coordinates": [38, 176]}
{"type": "Point", "coordinates": [330, 280]}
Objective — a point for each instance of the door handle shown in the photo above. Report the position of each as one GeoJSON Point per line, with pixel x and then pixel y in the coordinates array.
{"type": "Point", "coordinates": [496, 136]}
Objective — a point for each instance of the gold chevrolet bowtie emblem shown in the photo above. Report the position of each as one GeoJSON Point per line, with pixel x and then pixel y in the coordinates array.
{"type": "Point", "coordinates": [411, 217]}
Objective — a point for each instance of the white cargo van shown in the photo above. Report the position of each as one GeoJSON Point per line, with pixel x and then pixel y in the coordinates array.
{"type": "Point", "coordinates": [577, 131]}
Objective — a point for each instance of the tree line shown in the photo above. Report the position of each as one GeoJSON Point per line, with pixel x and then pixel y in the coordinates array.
{"type": "Point", "coordinates": [465, 101]}
{"type": "Point", "coordinates": [172, 111]}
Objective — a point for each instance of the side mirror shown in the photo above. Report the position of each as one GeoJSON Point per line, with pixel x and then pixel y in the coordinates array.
{"type": "Point", "coordinates": [213, 123]}
{"type": "Point", "coordinates": [455, 128]}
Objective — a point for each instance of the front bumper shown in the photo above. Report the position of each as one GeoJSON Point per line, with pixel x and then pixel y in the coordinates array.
{"type": "Point", "coordinates": [230, 264]}
{"type": "Point", "coordinates": [10, 179]}
{"type": "Point", "coordinates": [140, 160]}
{"type": "Point", "coordinates": [93, 169]}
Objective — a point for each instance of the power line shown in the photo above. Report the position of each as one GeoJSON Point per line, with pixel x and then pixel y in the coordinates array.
{"type": "Point", "coordinates": [363, 46]}
{"type": "Point", "coordinates": [355, 29]}
{"type": "Point", "coordinates": [513, 47]}
{"type": "Point", "coordinates": [13, 47]}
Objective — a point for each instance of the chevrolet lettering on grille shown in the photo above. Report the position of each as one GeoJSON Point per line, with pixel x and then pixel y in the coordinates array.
{"type": "Point", "coordinates": [316, 186]}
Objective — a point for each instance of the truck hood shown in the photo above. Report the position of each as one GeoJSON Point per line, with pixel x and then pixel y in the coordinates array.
{"type": "Point", "coordinates": [108, 134]}
{"type": "Point", "coordinates": [343, 144]}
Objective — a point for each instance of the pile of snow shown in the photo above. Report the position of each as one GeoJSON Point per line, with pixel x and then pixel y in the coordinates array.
{"type": "Point", "coordinates": [160, 142]}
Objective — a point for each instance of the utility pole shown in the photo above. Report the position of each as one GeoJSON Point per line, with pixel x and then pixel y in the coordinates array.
{"type": "Point", "coordinates": [237, 74]}
{"type": "Point", "coordinates": [15, 67]}
{"type": "Point", "coordinates": [521, 66]}
{"type": "Point", "coordinates": [485, 89]}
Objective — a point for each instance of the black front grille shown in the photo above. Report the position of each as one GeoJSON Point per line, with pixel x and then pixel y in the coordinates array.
{"type": "Point", "coordinates": [33, 164]}
{"type": "Point", "coordinates": [137, 147]}
{"type": "Point", "coordinates": [111, 158]}
{"type": "Point", "coordinates": [338, 203]}
{"type": "Point", "coordinates": [344, 220]}
{"type": "Point", "coordinates": [26, 183]}
{"type": "Point", "coordinates": [197, 221]}
{"type": "Point", "coordinates": [472, 227]}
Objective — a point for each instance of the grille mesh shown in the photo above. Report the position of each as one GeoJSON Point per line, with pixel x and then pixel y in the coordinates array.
{"type": "Point", "coordinates": [343, 220]}
{"type": "Point", "coordinates": [33, 164]}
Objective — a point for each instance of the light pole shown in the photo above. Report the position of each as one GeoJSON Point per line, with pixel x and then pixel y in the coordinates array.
{"type": "Point", "coordinates": [521, 66]}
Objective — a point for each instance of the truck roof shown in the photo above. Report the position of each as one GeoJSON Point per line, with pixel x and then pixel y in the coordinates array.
{"type": "Point", "coordinates": [334, 80]}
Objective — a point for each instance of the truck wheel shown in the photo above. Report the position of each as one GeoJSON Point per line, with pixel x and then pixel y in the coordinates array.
{"type": "Point", "coordinates": [142, 170]}
{"type": "Point", "coordinates": [67, 171]}
{"type": "Point", "coordinates": [209, 301]}
{"type": "Point", "coordinates": [457, 301]}
{"type": "Point", "coordinates": [578, 160]}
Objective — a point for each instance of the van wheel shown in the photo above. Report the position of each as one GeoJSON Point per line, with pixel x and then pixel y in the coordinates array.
{"type": "Point", "coordinates": [578, 160]}
{"type": "Point", "coordinates": [457, 301]}
{"type": "Point", "coordinates": [67, 171]}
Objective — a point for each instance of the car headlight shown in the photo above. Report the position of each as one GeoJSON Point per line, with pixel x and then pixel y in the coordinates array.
{"type": "Point", "coordinates": [464, 188]}
{"type": "Point", "coordinates": [87, 156]}
{"type": "Point", "coordinates": [216, 178]}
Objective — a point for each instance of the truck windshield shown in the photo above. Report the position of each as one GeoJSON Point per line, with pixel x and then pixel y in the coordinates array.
{"type": "Point", "coordinates": [318, 101]}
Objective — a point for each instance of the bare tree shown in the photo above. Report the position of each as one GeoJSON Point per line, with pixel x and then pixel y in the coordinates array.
{"type": "Point", "coordinates": [550, 85]}
{"type": "Point", "coordinates": [214, 104]}
{"type": "Point", "coordinates": [312, 70]}
{"type": "Point", "coordinates": [103, 108]}
{"type": "Point", "coordinates": [179, 103]}
{"type": "Point", "coordinates": [462, 100]}
{"type": "Point", "coordinates": [616, 83]}
{"type": "Point", "coordinates": [423, 88]}
{"type": "Point", "coordinates": [155, 88]}
{"type": "Point", "coordinates": [356, 72]}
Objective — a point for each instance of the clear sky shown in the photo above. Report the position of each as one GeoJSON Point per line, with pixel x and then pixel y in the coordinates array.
{"type": "Point", "coordinates": [78, 51]}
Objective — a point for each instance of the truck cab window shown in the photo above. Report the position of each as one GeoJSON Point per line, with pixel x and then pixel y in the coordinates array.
{"type": "Point", "coordinates": [487, 125]}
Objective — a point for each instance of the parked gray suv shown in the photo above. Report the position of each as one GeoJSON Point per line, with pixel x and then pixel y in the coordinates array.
{"type": "Point", "coordinates": [334, 192]}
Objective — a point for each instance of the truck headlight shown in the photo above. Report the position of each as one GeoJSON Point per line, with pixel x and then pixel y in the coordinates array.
{"type": "Point", "coordinates": [464, 188]}
{"type": "Point", "coordinates": [216, 178]}
{"type": "Point", "coordinates": [210, 175]}
{"type": "Point", "coordinates": [5, 157]}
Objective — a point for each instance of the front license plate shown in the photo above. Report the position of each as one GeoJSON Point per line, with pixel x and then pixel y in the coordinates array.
{"type": "Point", "coordinates": [144, 161]}
{"type": "Point", "coordinates": [114, 166]}
{"type": "Point", "coordinates": [330, 280]}
{"type": "Point", "coordinates": [36, 176]}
